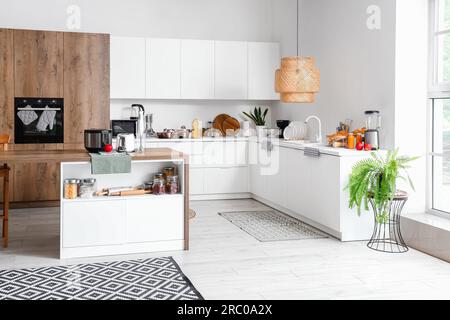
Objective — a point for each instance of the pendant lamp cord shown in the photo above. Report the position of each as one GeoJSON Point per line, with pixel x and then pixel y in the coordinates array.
{"type": "Point", "coordinates": [297, 30]}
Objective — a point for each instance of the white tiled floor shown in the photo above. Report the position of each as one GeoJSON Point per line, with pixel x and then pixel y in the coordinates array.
{"type": "Point", "coordinates": [226, 263]}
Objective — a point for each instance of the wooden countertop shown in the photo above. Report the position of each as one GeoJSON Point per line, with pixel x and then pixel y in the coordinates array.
{"type": "Point", "coordinates": [16, 156]}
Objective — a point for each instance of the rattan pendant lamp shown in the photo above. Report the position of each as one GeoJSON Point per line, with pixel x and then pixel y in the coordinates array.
{"type": "Point", "coordinates": [298, 80]}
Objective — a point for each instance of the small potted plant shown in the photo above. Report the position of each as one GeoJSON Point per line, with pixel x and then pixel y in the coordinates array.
{"type": "Point", "coordinates": [374, 181]}
{"type": "Point", "coordinates": [259, 118]}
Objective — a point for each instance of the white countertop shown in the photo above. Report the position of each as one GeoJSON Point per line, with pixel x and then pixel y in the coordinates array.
{"type": "Point", "coordinates": [299, 145]}
{"type": "Point", "coordinates": [339, 152]}
{"type": "Point", "coordinates": [204, 139]}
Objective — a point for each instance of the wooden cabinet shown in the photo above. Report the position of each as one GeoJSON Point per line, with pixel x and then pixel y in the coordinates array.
{"type": "Point", "coordinates": [263, 61]}
{"type": "Point", "coordinates": [127, 67]}
{"type": "Point", "coordinates": [36, 182]}
{"type": "Point", "coordinates": [6, 82]}
{"type": "Point", "coordinates": [163, 67]}
{"type": "Point", "coordinates": [197, 69]}
{"type": "Point", "coordinates": [230, 71]}
{"type": "Point", "coordinates": [86, 84]}
{"type": "Point", "coordinates": [38, 63]}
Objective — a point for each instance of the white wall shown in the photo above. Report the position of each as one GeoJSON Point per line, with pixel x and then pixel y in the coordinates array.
{"type": "Point", "coordinates": [202, 19]}
{"type": "Point", "coordinates": [174, 114]}
{"type": "Point", "coordinates": [357, 64]}
{"type": "Point", "coordinates": [246, 20]}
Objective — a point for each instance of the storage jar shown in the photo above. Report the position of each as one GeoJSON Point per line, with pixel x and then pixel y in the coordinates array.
{"type": "Point", "coordinates": [172, 185]}
{"type": "Point", "coordinates": [87, 188]}
{"type": "Point", "coordinates": [158, 187]}
{"type": "Point", "coordinates": [71, 188]}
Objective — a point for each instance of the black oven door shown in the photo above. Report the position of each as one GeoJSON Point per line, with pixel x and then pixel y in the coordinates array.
{"type": "Point", "coordinates": [39, 120]}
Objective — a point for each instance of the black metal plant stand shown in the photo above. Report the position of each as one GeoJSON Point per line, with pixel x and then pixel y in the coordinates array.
{"type": "Point", "coordinates": [387, 236]}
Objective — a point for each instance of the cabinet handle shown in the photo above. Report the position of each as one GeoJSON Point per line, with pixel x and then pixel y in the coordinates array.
{"type": "Point", "coordinates": [311, 152]}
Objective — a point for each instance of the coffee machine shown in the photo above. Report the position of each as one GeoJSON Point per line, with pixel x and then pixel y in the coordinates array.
{"type": "Point", "coordinates": [373, 126]}
{"type": "Point", "coordinates": [282, 124]}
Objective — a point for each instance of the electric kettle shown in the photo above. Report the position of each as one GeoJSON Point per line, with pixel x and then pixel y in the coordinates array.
{"type": "Point", "coordinates": [125, 142]}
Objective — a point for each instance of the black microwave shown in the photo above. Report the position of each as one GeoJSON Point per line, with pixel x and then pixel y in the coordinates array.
{"type": "Point", "coordinates": [123, 126]}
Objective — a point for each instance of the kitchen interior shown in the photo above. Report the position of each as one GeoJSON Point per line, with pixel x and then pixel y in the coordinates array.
{"type": "Point", "coordinates": [136, 142]}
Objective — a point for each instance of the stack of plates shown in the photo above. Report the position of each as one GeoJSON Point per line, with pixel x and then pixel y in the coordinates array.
{"type": "Point", "coordinates": [296, 130]}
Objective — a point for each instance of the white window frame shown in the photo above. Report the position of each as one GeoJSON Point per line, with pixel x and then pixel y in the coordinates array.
{"type": "Point", "coordinates": [436, 91]}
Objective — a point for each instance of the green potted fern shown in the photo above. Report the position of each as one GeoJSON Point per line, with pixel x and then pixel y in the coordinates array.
{"type": "Point", "coordinates": [374, 180]}
{"type": "Point", "coordinates": [259, 118]}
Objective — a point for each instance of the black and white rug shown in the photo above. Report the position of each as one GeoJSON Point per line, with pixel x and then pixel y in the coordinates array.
{"type": "Point", "coordinates": [147, 279]}
{"type": "Point", "coordinates": [272, 225]}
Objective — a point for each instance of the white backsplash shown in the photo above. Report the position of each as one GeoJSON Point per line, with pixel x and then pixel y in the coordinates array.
{"type": "Point", "coordinates": [175, 113]}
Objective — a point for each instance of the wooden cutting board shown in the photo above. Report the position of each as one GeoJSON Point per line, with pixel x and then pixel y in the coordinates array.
{"type": "Point", "coordinates": [218, 121]}
{"type": "Point", "coordinates": [230, 123]}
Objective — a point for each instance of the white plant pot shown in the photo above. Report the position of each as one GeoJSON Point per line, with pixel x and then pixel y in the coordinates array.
{"type": "Point", "coordinates": [261, 131]}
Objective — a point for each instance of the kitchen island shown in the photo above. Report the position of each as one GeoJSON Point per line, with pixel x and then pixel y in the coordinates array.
{"type": "Point", "coordinates": [108, 225]}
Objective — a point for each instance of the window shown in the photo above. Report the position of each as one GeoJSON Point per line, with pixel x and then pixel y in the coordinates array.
{"type": "Point", "coordinates": [440, 101]}
{"type": "Point", "coordinates": [441, 45]}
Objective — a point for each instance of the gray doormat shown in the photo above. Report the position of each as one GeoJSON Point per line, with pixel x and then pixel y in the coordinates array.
{"type": "Point", "coordinates": [272, 225]}
{"type": "Point", "coordinates": [148, 279]}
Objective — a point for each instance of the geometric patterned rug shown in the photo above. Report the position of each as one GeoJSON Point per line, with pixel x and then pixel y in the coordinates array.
{"type": "Point", "coordinates": [272, 225]}
{"type": "Point", "coordinates": [147, 279]}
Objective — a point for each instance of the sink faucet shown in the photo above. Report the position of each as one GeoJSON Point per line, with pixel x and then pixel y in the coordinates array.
{"type": "Point", "coordinates": [319, 136]}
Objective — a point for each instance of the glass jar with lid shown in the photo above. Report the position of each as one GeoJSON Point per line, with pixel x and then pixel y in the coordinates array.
{"type": "Point", "coordinates": [87, 188]}
{"type": "Point", "coordinates": [71, 188]}
{"type": "Point", "coordinates": [168, 172]}
{"type": "Point", "coordinates": [158, 187]}
{"type": "Point", "coordinates": [148, 186]}
{"type": "Point", "coordinates": [159, 175]}
{"type": "Point", "coordinates": [172, 185]}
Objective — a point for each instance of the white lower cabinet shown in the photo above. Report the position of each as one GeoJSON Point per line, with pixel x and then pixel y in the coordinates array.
{"type": "Point", "coordinates": [196, 181]}
{"type": "Point", "coordinates": [305, 185]}
{"type": "Point", "coordinates": [160, 220]}
{"type": "Point", "coordinates": [310, 187]}
{"type": "Point", "coordinates": [218, 169]}
{"type": "Point", "coordinates": [93, 224]}
{"type": "Point", "coordinates": [117, 226]}
{"type": "Point", "coordinates": [226, 180]}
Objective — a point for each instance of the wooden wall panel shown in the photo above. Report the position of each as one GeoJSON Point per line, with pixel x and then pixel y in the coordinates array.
{"type": "Point", "coordinates": [38, 64]}
{"type": "Point", "coordinates": [6, 83]}
{"type": "Point", "coordinates": [86, 84]}
{"type": "Point", "coordinates": [36, 182]}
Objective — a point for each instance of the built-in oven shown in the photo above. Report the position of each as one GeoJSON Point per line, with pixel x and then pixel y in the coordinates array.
{"type": "Point", "coordinates": [38, 120]}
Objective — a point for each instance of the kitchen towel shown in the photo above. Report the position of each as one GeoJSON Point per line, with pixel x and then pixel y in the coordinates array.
{"type": "Point", "coordinates": [27, 117]}
{"type": "Point", "coordinates": [46, 120]}
{"type": "Point", "coordinates": [111, 163]}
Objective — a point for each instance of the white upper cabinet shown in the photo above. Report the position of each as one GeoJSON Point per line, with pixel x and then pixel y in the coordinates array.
{"type": "Point", "coordinates": [127, 67]}
{"type": "Point", "coordinates": [163, 68]}
{"type": "Point", "coordinates": [230, 71]}
{"type": "Point", "coordinates": [197, 69]}
{"type": "Point", "coordinates": [263, 61]}
{"type": "Point", "coordinates": [193, 69]}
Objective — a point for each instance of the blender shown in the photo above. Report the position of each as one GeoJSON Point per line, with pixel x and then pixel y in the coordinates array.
{"type": "Point", "coordinates": [373, 126]}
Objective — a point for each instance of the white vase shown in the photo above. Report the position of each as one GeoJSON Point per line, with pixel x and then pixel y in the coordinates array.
{"type": "Point", "coordinates": [261, 132]}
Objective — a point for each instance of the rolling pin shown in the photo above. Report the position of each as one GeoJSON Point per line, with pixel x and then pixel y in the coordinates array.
{"type": "Point", "coordinates": [137, 192]}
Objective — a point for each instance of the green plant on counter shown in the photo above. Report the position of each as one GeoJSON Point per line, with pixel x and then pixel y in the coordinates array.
{"type": "Point", "coordinates": [377, 178]}
{"type": "Point", "coordinates": [258, 117]}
